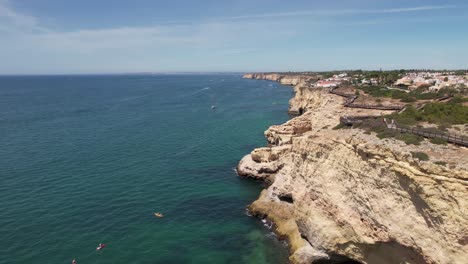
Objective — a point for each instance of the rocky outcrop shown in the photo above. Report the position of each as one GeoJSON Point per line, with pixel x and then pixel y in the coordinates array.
{"type": "Point", "coordinates": [340, 195]}
{"type": "Point", "coordinates": [303, 99]}
{"type": "Point", "coordinates": [283, 78]}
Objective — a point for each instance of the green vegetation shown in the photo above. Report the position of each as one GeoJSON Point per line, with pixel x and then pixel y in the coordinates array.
{"type": "Point", "coordinates": [410, 139]}
{"type": "Point", "coordinates": [420, 155]}
{"type": "Point", "coordinates": [458, 100]}
{"type": "Point", "coordinates": [383, 132]}
{"type": "Point", "coordinates": [438, 141]}
{"type": "Point", "coordinates": [442, 163]}
{"type": "Point", "coordinates": [446, 114]}
{"type": "Point", "coordinates": [383, 77]}
{"type": "Point", "coordinates": [408, 100]}
{"type": "Point", "coordinates": [377, 91]}
{"type": "Point", "coordinates": [412, 96]}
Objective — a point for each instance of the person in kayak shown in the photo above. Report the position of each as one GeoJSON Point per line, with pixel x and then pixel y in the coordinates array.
{"type": "Point", "coordinates": [101, 246]}
{"type": "Point", "coordinates": [159, 215]}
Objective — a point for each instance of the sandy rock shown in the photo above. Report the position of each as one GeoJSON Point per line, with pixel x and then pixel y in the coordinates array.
{"type": "Point", "coordinates": [344, 194]}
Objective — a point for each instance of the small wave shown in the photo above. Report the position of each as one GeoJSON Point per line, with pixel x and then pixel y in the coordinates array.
{"type": "Point", "coordinates": [201, 90]}
{"type": "Point", "coordinates": [268, 224]}
{"type": "Point", "coordinates": [247, 212]}
{"type": "Point", "coordinates": [132, 98]}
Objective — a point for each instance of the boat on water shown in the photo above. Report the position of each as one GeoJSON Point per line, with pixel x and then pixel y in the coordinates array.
{"type": "Point", "coordinates": [159, 215]}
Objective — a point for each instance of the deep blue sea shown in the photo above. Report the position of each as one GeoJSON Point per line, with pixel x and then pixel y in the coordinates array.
{"type": "Point", "coordinates": [89, 159]}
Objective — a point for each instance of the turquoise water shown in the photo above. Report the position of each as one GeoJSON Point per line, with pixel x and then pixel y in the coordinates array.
{"type": "Point", "coordinates": [89, 159]}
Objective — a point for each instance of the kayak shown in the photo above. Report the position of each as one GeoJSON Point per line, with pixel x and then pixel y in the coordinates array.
{"type": "Point", "coordinates": [159, 215]}
{"type": "Point", "coordinates": [100, 247]}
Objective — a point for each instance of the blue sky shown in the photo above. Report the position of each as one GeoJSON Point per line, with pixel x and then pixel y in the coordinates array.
{"type": "Point", "coordinates": [92, 36]}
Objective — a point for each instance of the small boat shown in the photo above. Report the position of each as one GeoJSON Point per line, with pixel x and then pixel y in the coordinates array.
{"type": "Point", "coordinates": [158, 215]}
{"type": "Point", "coordinates": [213, 107]}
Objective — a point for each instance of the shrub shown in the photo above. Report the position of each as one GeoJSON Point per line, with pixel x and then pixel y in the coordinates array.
{"type": "Point", "coordinates": [437, 113]}
{"type": "Point", "coordinates": [438, 141]}
{"type": "Point", "coordinates": [458, 100]}
{"type": "Point", "coordinates": [341, 126]}
{"type": "Point", "coordinates": [377, 129]}
{"type": "Point", "coordinates": [396, 94]}
{"type": "Point", "coordinates": [411, 139]}
{"type": "Point", "coordinates": [452, 114]}
{"type": "Point", "coordinates": [408, 99]}
{"type": "Point", "coordinates": [420, 155]}
{"type": "Point", "coordinates": [442, 163]}
{"type": "Point", "coordinates": [443, 127]}
{"type": "Point", "coordinates": [386, 134]}
{"type": "Point", "coordinates": [376, 91]}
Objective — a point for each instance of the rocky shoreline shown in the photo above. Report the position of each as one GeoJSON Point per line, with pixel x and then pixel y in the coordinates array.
{"type": "Point", "coordinates": [345, 195]}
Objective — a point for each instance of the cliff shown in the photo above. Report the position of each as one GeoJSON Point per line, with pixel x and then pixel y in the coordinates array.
{"type": "Point", "coordinates": [300, 102]}
{"type": "Point", "coordinates": [339, 195]}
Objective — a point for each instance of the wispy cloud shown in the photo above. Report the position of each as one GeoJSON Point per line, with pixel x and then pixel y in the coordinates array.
{"type": "Point", "coordinates": [160, 43]}
{"type": "Point", "coordinates": [342, 12]}
{"type": "Point", "coordinates": [13, 21]}
{"type": "Point", "coordinates": [413, 9]}
{"type": "Point", "coordinates": [23, 31]}
{"type": "Point", "coordinates": [337, 12]}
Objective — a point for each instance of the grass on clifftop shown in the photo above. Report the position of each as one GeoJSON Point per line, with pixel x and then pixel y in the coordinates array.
{"type": "Point", "coordinates": [412, 96]}
{"type": "Point", "coordinates": [375, 125]}
{"type": "Point", "coordinates": [445, 114]}
{"type": "Point", "coordinates": [409, 139]}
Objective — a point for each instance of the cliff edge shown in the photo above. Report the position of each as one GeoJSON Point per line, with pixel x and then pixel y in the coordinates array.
{"type": "Point", "coordinates": [346, 195]}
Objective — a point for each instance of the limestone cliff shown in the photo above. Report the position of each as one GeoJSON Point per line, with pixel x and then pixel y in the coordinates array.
{"type": "Point", "coordinates": [338, 195]}
{"type": "Point", "coordinates": [301, 101]}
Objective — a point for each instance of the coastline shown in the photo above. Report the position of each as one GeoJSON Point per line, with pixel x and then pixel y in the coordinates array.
{"type": "Point", "coordinates": [325, 188]}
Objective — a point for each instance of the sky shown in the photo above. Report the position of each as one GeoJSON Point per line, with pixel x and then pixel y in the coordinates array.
{"type": "Point", "coordinates": [120, 36]}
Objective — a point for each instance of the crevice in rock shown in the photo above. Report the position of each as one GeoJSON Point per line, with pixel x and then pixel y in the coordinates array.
{"type": "Point", "coordinates": [387, 252]}
{"type": "Point", "coordinates": [301, 110]}
{"type": "Point", "coordinates": [337, 259]}
{"type": "Point", "coordinates": [286, 198]}
{"type": "Point", "coordinates": [364, 155]}
{"type": "Point", "coordinates": [264, 170]}
{"type": "Point", "coordinates": [419, 203]}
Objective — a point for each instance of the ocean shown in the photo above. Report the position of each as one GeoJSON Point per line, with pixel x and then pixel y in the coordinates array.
{"type": "Point", "coordinates": [89, 159]}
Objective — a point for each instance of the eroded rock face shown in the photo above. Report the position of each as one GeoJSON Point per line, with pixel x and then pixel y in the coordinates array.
{"type": "Point", "coordinates": [286, 79]}
{"type": "Point", "coordinates": [338, 194]}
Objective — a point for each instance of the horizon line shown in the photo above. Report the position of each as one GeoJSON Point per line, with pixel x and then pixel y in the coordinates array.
{"type": "Point", "coordinates": [222, 72]}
